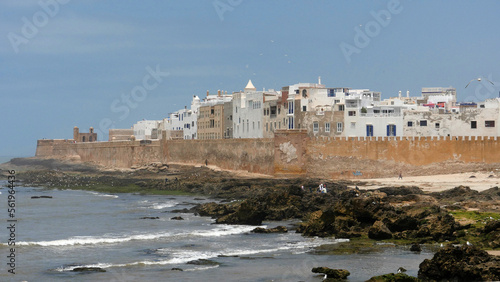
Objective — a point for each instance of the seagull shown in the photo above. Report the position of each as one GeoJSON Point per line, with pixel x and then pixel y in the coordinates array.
{"type": "Point", "coordinates": [478, 79]}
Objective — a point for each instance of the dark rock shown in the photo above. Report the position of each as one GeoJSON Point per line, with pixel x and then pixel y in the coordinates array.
{"type": "Point", "coordinates": [88, 269]}
{"type": "Point", "coordinates": [199, 199]}
{"type": "Point", "coordinates": [466, 263]}
{"type": "Point", "coordinates": [184, 210]}
{"type": "Point", "coordinates": [35, 197]}
{"type": "Point", "coordinates": [277, 229]}
{"type": "Point", "coordinates": [379, 231]}
{"type": "Point", "coordinates": [150, 217]}
{"type": "Point", "coordinates": [213, 209]}
{"type": "Point", "coordinates": [403, 190]}
{"type": "Point", "coordinates": [332, 273]}
{"type": "Point", "coordinates": [177, 269]}
{"type": "Point", "coordinates": [203, 262]}
{"type": "Point", "coordinates": [415, 248]}
{"type": "Point", "coordinates": [46, 197]}
{"type": "Point", "coordinates": [391, 277]}
{"type": "Point", "coordinates": [177, 218]}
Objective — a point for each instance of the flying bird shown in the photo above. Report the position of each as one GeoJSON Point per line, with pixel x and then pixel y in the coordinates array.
{"type": "Point", "coordinates": [478, 79]}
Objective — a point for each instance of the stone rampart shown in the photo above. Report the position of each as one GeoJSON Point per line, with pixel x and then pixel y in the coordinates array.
{"type": "Point", "coordinates": [288, 153]}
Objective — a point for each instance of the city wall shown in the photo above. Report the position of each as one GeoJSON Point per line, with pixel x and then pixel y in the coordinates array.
{"type": "Point", "coordinates": [123, 154]}
{"type": "Point", "coordinates": [253, 155]}
{"type": "Point", "coordinates": [289, 153]}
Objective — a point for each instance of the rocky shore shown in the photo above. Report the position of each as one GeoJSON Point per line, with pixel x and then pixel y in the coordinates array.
{"type": "Point", "coordinates": [401, 215]}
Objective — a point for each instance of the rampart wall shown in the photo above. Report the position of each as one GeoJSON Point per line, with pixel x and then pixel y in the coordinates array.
{"type": "Point", "coordinates": [253, 155]}
{"type": "Point", "coordinates": [288, 153]}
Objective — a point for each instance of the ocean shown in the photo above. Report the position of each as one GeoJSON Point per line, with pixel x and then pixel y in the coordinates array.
{"type": "Point", "coordinates": [87, 229]}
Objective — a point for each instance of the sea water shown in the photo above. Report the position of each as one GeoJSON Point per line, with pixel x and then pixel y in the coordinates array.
{"type": "Point", "coordinates": [87, 229]}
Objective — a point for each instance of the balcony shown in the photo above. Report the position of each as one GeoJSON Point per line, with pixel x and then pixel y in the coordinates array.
{"type": "Point", "coordinates": [380, 115]}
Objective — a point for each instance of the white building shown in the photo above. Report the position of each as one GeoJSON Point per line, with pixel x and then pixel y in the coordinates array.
{"type": "Point", "coordinates": [143, 129]}
{"type": "Point", "coordinates": [248, 112]}
{"type": "Point", "coordinates": [185, 120]}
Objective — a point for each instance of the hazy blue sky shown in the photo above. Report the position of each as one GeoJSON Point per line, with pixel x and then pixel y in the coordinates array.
{"type": "Point", "coordinates": [71, 63]}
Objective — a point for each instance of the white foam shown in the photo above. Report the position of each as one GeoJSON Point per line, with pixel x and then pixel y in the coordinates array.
{"type": "Point", "coordinates": [103, 195]}
{"type": "Point", "coordinates": [159, 206]}
{"type": "Point", "coordinates": [217, 231]}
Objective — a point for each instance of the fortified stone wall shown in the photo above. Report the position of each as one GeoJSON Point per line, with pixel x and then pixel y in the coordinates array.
{"type": "Point", "coordinates": [117, 154]}
{"type": "Point", "coordinates": [289, 153]}
{"type": "Point", "coordinates": [253, 155]}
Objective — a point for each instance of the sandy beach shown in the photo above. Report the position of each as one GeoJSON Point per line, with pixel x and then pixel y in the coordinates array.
{"type": "Point", "coordinates": [479, 181]}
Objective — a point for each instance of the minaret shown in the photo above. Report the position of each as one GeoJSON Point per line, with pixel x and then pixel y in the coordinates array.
{"type": "Point", "coordinates": [399, 94]}
{"type": "Point", "coordinates": [407, 93]}
{"type": "Point", "coordinates": [250, 86]}
{"type": "Point", "coordinates": [319, 79]}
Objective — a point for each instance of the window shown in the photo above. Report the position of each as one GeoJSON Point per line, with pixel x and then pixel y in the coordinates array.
{"type": "Point", "coordinates": [290, 122]}
{"type": "Point", "coordinates": [369, 130]}
{"type": "Point", "coordinates": [211, 111]}
{"type": "Point", "coordinates": [437, 125]}
{"type": "Point", "coordinates": [304, 108]}
{"type": "Point", "coordinates": [391, 130]}
{"type": "Point", "coordinates": [352, 113]}
{"type": "Point", "coordinates": [489, 123]}
{"type": "Point", "coordinates": [410, 123]}
{"type": "Point", "coordinates": [315, 126]}
{"type": "Point", "coordinates": [327, 127]}
{"type": "Point", "coordinates": [473, 124]}
{"type": "Point", "coordinates": [423, 123]}
{"type": "Point", "coordinates": [339, 127]}
{"type": "Point", "coordinates": [331, 92]}
{"type": "Point", "coordinates": [304, 93]}
{"type": "Point", "coordinates": [290, 107]}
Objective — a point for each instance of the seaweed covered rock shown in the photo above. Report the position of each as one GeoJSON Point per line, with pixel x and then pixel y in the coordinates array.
{"type": "Point", "coordinates": [466, 263]}
{"type": "Point", "coordinates": [277, 229]}
{"type": "Point", "coordinates": [379, 231]}
{"type": "Point", "coordinates": [391, 277]}
{"type": "Point", "coordinates": [332, 273]}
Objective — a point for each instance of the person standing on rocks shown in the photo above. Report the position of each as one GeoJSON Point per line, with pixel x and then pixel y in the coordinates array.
{"type": "Point", "coordinates": [400, 175]}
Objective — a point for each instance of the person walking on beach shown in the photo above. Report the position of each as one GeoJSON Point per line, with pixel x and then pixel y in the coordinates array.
{"type": "Point", "coordinates": [400, 175]}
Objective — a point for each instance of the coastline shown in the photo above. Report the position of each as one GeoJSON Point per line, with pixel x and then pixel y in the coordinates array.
{"type": "Point", "coordinates": [453, 217]}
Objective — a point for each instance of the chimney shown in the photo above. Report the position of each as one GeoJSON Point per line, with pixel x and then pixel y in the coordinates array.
{"type": "Point", "coordinates": [218, 93]}
{"type": "Point", "coordinates": [208, 93]}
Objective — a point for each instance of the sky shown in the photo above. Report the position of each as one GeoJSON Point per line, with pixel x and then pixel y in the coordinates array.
{"type": "Point", "coordinates": [109, 64]}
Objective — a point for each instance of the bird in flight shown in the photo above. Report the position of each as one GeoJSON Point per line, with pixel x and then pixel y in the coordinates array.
{"type": "Point", "coordinates": [478, 79]}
